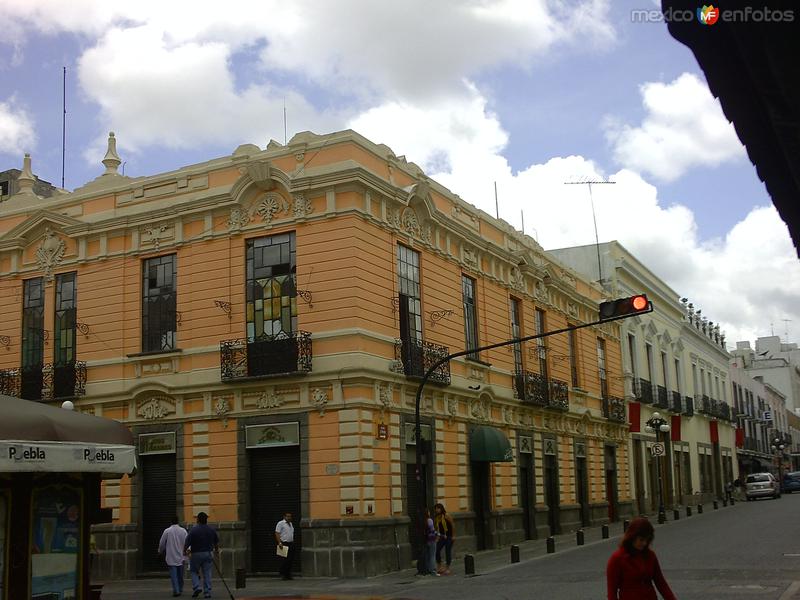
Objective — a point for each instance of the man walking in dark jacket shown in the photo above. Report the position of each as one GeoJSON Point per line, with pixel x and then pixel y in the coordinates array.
{"type": "Point", "coordinates": [201, 542]}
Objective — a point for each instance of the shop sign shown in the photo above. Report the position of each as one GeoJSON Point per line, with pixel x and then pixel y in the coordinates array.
{"type": "Point", "coordinates": [272, 435]}
{"type": "Point", "coordinates": [411, 437]}
{"type": "Point", "coordinates": [157, 443]}
{"type": "Point", "coordinates": [65, 457]}
{"type": "Point", "coordinates": [383, 431]}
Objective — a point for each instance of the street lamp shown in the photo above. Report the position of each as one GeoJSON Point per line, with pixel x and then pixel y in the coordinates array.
{"type": "Point", "coordinates": [777, 448]}
{"type": "Point", "coordinates": [657, 424]}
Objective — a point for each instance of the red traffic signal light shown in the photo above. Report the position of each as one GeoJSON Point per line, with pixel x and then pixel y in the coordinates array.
{"type": "Point", "coordinates": [625, 307]}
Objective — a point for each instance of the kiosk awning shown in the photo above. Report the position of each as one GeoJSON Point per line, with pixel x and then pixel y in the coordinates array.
{"type": "Point", "coordinates": [35, 437]}
{"type": "Point", "coordinates": [487, 444]}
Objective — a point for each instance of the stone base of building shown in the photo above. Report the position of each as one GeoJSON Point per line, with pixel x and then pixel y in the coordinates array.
{"type": "Point", "coordinates": [355, 547]}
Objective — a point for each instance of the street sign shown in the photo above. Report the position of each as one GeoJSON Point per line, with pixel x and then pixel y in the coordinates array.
{"type": "Point", "coordinates": [768, 415]}
{"type": "Point", "coordinates": [657, 449]}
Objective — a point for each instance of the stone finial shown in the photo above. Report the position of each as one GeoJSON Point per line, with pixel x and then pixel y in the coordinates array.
{"type": "Point", "coordinates": [111, 160]}
{"type": "Point", "coordinates": [26, 178]}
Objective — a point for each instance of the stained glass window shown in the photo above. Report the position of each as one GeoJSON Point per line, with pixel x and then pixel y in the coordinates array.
{"type": "Point", "coordinates": [271, 287]}
{"type": "Point", "coordinates": [66, 306]}
{"type": "Point", "coordinates": [159, 302]}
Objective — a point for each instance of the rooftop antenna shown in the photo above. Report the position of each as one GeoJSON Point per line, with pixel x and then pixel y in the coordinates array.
{"type": "Point", "coordinates": [63, 125]}
{"type": "Point", "coordinates": [522, 216]}
{"type": "Point", "coordinates": [496, 205]}
{"type": "Point", "coordinates": [786, 330]}
{"type": "Point", "coordinates": [589, 182]}
{"type": "Point", "coordinates": [284, 120]}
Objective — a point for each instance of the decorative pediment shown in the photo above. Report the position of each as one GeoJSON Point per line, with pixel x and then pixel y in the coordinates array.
{"type": "Point", "coordinates": [34, 226]}
{"type": "Point", "coordinates": [651, 329]}
{"type": "Point", "coordinates": [678, 346]}
{"type": "Point", "coordinates": [260, 173]}
{"type": "Point", "coordinates": [666, 339]}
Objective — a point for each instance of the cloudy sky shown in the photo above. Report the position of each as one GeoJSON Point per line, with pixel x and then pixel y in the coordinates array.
{"type": "Point", "coordinates": [527, 93]}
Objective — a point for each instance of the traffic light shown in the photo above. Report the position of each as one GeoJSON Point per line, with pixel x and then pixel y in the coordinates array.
{"type": "Point", "coordinates": [625, 307]}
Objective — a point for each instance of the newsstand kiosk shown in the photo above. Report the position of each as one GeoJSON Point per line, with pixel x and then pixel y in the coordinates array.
{"type": "Point", "coordinates": [51, 463]}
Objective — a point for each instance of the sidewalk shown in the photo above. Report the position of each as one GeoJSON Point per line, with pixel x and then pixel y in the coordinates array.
{"type": "Point", "coordinates": [390, 584]}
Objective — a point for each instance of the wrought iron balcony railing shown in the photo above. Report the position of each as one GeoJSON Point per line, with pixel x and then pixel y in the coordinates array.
{"type": "Point", "coordinates": [676, 405]}
{"type": "Point", "coordinates": [661, 397]}
{"type": "Point", "coordinates": [417, 356]}
{"type": "Point", "coordinates": [266, 356]}
{"type": "Point", "coordinates": [45, 382]}
{"type": "Point", "coordinates": [533, 388]}
{"type": "Point", "coordinates": [705, 405]}
{"type": "Point", "coordinates": [688, 406]}
{"type": "Point", "coordinates": [724, 411]}
{"type": "Point", "coordinates": [614, 409]}
{"type": "Point", "coordinates": [644, 391]}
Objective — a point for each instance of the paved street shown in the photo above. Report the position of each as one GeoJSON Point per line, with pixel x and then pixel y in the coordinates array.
{"type": "Point", "coordinates": [749, 551]}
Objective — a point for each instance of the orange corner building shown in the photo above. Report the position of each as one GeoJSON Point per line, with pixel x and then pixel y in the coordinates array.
{"type": "Point", "coordinates": [261, 321]}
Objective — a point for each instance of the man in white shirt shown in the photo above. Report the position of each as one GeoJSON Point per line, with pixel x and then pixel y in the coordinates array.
{"type": "Point", "coordinates": [171, 545]}
{"type": "Point", "coordinates": [284, 537]}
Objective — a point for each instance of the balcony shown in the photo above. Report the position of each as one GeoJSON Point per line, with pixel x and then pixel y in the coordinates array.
{"type": "Point", "coordinates": [688, 406]}
{"type": "Point", "coordinates": [724, 411]}
{"type": "Point", "coordinates": [676, 405]}
{"type": "Point", "coordinates": [614, 409]}
{"type": "Point", "coordinates": [267, 356]}
{"type": "Point", "coordinates": [643, 390]}
{"type": "Point", "coordinates": [661, 397]}
{"type": "Point", "coordinates": [704, 405]}
{"type": "Point", "coordinates": [417, 356]}
{"type": "Point", "coordinates": [45, 382]}
{"type": "Point", "coordinates": [536, 389]}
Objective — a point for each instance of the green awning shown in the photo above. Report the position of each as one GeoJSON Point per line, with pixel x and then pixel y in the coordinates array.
{"type": "Point", "coordinates": [487, 444]}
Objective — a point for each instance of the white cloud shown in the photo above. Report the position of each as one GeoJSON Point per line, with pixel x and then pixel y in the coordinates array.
{"type": "Point", "coordinates": [683, 128]}
{"type": "Point", "coordinates": [16, 129]}
{"type": "Point", "coordinates": [744, 281]}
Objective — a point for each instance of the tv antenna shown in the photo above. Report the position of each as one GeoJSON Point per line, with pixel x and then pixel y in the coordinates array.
{"type": "Point", "coordinates": [786, 328]}
{"type": "Point", "coordinates": [589, 182]}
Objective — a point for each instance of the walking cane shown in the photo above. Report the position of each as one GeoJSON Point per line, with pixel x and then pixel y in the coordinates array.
{"type": "Point", "coordinates": [219, 572]}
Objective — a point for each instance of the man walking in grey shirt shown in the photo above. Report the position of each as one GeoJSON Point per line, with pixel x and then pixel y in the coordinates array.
{"type": "Point", "coordinates": [171, 546]}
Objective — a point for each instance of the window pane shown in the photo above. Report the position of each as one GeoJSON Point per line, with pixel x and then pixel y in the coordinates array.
{"type": "Point", "coordinates": [271, 286]}
{"type": "Point", "coordinates": [159, 302]}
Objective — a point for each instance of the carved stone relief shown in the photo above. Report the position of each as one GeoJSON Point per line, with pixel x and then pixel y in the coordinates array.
{"type": "Point", "coordinates": [50, 253]}
{"type": "Point", "coordinates": [481, 409]}
{"type": "Point", "coordinates": [319, 398]}
{"type": "Point", "coordinates": [269, 400]}
{"type": "Point", "coordinates": [268, 207]}
{"type": "Point", "coordinates": [302, 206]}
{"type": "Point", "coordinates": [156, 407]}
{"type": "Point", "coordinates": [155, 235]}
{"type": "Point", "coordinates": [410, 223]}
{"type": "Point", "coordinates": [238, 218]}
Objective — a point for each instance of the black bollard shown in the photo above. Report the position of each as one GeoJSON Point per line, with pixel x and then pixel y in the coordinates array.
{"type": "Point", "coordinates": [716, 505]}
{"type": "Point", "coordinates": [625, 525]}
{"type": "Point", "coordinates": [676, 514]}
{"type": "Point", "coordinates": [699, 509]}
{"type": "Point", "coordinates": [605, 532]}
{"type": "Point", "coordinates": [732, 501]}
{"type": "Point", "coordinates": [469, 564]}
{"type": "Point", "coordinates": [551, 545]}
{"type": "Point", "coordinates": [689, 510]}
{"type": "Point", "coordinates": [514, 553]}
{"type": "Point", "coordinates": [579, 537]}
{"type": "Point", "coordinates": [241, 578]}
{"type": "Point", "coordinates": [724, 502]}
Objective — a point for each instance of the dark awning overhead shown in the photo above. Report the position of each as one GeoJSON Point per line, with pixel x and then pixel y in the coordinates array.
{"type": "Point", "coordinates": [487, 444]}
{"type": "Point", "coordinates": [37, 422]}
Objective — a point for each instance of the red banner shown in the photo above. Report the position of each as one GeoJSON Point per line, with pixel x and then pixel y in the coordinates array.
{"type": "Point", "coordinates": [675, 428]}
{"type": "Point", "coordinates": [635, 416]}
{"type": "Point", "coordinates": [713, 432]}
{"type": "Point", "coordinates": [739, 437]}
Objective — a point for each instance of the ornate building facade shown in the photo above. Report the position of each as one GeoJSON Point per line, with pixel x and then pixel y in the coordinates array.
{"type": "Point", "coordinates": [260, 321]}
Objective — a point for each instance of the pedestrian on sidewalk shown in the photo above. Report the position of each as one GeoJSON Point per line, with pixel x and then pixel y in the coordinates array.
{"type": "Point", "coordinates": [430, 545]}
{"type": "Point", "coordinates": [633, 569]}
{"type": "Point", "coordinates": [284, 537]}
{"type": "Point", "coordinates": [171, 547]}
{"type": "Point", "coordinates": [201, 544]}
{"type": "Point", "coordinates": [447, 534]}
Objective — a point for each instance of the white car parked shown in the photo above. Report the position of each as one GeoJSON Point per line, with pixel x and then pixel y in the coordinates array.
{"type": "Point", "coordinates": [762, 485]}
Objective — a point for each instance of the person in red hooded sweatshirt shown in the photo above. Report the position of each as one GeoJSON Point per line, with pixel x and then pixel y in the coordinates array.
{"type": "Point", "coordinates": [633, 569]}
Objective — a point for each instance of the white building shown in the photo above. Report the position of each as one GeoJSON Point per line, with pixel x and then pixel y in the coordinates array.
{"type": "Point", "coordinates": [778, 364]}
{"type": "Point", "coordinates": [674, 363]}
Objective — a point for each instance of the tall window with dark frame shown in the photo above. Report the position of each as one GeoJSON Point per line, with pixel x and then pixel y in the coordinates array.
{"type": "Point", "coordinates": [468, 288]}
{"type": "Point", "coordinates": [541, 343]}
{"type": "Point", "coordinates": [271, 305]}
{"type": "Point", "coordinates": [32, 338]}
{"type": "Point", "coordinates": [572, 339]}
{"type": "Point", "coordinates": [159, 302]}
{"type": "Point", "coordinates": [601, 366]}
{"type": "Point", "coordinates": [65, 345]}
{"type": "Point", "coordinates": [410, 302]}
{"type": "Point", "coordinates": [515, 310]}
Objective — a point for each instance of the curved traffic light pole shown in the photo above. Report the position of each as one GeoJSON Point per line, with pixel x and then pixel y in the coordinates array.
{"type": "Point", "coordinates": [422, 482]}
